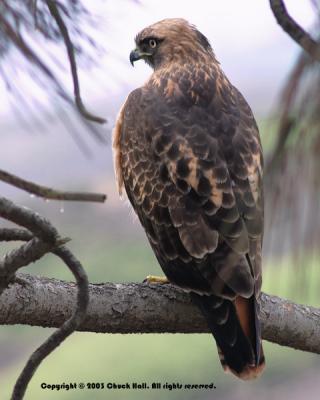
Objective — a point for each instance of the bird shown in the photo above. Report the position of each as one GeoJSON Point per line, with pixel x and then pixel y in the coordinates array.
{"type": "Point", "coordinates": [188, 155]}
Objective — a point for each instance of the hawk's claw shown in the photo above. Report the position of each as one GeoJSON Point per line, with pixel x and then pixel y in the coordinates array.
{"type": "Point", "coordinates": [155, 279]}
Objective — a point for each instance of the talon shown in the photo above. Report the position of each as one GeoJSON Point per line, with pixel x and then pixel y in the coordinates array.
{"type": "Point", "coordinates": [156, 279]}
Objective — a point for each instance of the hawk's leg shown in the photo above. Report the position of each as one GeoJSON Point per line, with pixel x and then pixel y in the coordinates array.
{"type": "Point", "coordinates": [156, 279]}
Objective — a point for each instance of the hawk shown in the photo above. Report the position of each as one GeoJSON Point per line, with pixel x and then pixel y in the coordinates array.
{"type": "Point", "coordinates": [188, 154]}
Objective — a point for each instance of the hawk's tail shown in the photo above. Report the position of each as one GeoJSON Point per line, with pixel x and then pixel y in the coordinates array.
{"type": "Point", "coordinates": [236, 329]}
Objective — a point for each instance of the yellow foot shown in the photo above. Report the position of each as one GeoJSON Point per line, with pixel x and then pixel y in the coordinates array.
{"type": "Point", "coordinates": [156, 279]}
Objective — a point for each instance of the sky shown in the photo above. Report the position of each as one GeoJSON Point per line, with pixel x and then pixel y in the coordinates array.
{"type": "Point", "coordinates": [253, 50]}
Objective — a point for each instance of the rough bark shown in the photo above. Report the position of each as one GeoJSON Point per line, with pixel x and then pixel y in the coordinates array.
{"type": "Point", "coordinates": [145, 308]}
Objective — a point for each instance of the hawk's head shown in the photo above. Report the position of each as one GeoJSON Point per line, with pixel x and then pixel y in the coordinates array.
{"type": "Point", "coordinates": [170, 40]}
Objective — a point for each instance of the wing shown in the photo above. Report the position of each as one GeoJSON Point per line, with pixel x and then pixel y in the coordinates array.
{"type": "Point", "coordinates": [193, 177]}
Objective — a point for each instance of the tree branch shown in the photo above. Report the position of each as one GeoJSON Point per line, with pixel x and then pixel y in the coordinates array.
{"type": "Point", "coordinates": [41, 238]}
{"type": "Point", "coordinates": [77, 315]}
{"type": "Point", "coordinates": [23, 256]}
{"type": "Point", "coordinates": [297, 33]}
{"type": "Point", "coordinates": [52, 6]}
{"type": "Point", "coordinates": [14, 234]}
{"type": "Point", "coordinates": [143, 308]}
{"type": "Point", "coordinates": [49, 193]}
{"type": "Point", "coordinates": [34, 222]}
{"type": "Point", "coordinates": [18, 40]}
{"type": "Point", "coordinates": [287, 120]}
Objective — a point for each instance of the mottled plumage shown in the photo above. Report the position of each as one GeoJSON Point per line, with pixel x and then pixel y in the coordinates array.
{"type": "Point", "coordinates": [188, 153]}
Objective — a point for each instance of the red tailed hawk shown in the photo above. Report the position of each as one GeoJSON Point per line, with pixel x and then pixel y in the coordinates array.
{"type": "Point", "coordinates": [188, 154]}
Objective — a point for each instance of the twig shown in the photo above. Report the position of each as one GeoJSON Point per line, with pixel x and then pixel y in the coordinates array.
{"type": "Point", "coordinates": [35, 223]}
{"type": "Point", "coordinates": [20, 257]}
{"type": "Point", "coordinates": [287, 122]}
{"type": "Point", "coordinates": [142, 308]}
{"type": "Point", "coordinates": [29, 54]}
{"type": "Point", "coordinates": [49, 193]}
{"type": "Point", "coordinates": [23, 256]}
{"type": "Point", "coordinates": [64, 331]}
{"type": "Point", "coordinates": [52, 6]}
{"type": "Point", "coordinates": [35, 12]}
{"type": "Point", "coordinates": [13, 234]}
{"type": "Point", "coordinates": [297, 33]}
{"type": "Point", "coordinates": [46, 239]}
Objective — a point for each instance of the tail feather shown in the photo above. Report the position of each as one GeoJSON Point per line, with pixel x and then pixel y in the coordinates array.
{"type": "Point", "coordinates": [233, 326]}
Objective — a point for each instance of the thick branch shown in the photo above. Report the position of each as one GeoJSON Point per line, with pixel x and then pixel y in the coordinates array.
{"type": "Point", "coordinates": [143, 308]}
{"type": "Point", "coordinates": [297, 33]}
{"type": "Point", "coordinates": [49, 193]}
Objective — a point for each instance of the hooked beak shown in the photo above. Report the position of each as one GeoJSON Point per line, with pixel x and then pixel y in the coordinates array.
{"type": "Point", "coordinates": [136, 55]}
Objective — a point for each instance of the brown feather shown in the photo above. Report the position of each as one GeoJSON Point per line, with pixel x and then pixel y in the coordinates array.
{"type": "Point", "coordinates": [117, 150]}
{"type": "Point", "coordinates": [187, 151]}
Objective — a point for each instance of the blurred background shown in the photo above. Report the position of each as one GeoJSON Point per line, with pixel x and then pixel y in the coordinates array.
{"type": "Point", "coordinates": [44, 140]}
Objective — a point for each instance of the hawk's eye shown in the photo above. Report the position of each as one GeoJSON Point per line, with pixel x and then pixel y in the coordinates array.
{"type": "Point", "coordinates": [152, 43]}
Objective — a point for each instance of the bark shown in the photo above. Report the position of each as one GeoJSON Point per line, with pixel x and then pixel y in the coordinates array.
{"type": "Point", "coordinates": [294, 30]}
{"type": "Point", "coordinates": [55, 13]}
{"type": "Point", "coordinates": [47, 192]}
{"type": "Point", "coordinates": [145, 308]}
